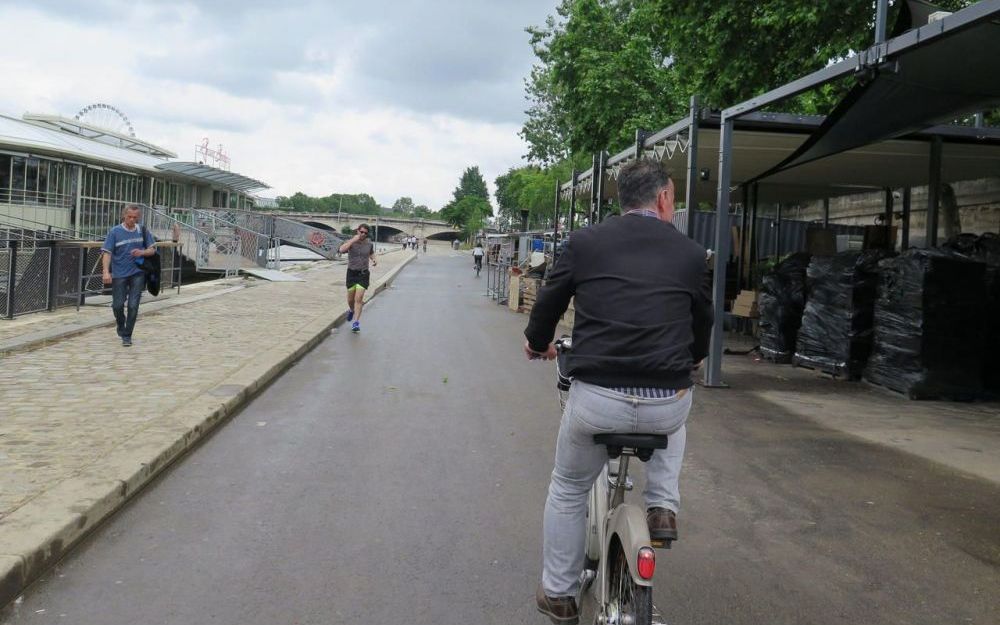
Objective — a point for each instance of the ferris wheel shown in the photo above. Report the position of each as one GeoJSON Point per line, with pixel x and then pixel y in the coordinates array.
{"type": "Point", "coordinates": [107, 117]}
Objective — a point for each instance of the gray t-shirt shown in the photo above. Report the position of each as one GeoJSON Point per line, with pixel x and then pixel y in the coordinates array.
{"type": "Point", "coordinates": [358, 254]}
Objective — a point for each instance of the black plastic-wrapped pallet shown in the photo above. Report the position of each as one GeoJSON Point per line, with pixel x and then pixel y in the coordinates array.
{"type": "Point", "coordinates": [986, 248]}
{"type": "Point", "coordinates": [781, 300]}
{"type": "Point", "coordinates": [836, 331]}
{"type": "Point", "coordinates": [929, 322]}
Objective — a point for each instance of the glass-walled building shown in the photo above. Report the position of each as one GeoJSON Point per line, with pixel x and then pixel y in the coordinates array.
{"type": "Point", "coordinates": [59, 173]}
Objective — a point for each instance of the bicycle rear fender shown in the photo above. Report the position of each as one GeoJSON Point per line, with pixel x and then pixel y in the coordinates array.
{"type": "Point", "coordinates": [628, 523]}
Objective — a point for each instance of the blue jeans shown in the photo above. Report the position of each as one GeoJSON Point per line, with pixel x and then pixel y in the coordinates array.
{"type": "Point", "coordinates": [122, 290]}
{"type": "Point", "coordinates": [596, 410]}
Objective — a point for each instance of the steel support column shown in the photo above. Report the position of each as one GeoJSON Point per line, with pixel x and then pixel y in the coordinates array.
{"type": "Point", "coordinates": [881, 19]}
{"type": "Point", "coordinates": [887, 215]}
{"type": "Point", "coordinates": [741, 254]}
{"type": "Point", "coordinates": [777, 233]}
{"type": "Point", "coordinates": [555, 213]}
{"type": "Point", "coordinates": [933, 193]}
{"type": "Point", "coordinates": [713, 372]}
{"type": "Point", "coordinates": [904, 241]}
{"type": "Point", "coordinates": [692, 163]}
{"type": "Point", "coordinates": [592, 208]}
{"type": "Point", "coordinates": [752, 243]}
{"type": "Point", "coordinates": [602, 166]}
{"type": "Point", "coordinates": [826, 212]}
{"type": "Point", "coordinates": [572, 200]}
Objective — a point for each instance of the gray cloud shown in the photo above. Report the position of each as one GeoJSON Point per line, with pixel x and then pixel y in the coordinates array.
{"type": "Point", "coordinates": [461, 58]}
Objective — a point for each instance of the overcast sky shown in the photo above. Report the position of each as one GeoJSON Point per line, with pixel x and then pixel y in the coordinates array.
{"type": "Point", "coordinates": [385, 97]}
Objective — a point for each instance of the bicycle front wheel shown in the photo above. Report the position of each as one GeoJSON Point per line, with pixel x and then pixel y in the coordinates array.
{"type": "Point", "coordinates": [628, 602]}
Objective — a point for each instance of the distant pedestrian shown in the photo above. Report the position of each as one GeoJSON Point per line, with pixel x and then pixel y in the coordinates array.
{"type": "Point", "coordinates": [425, 245]}
{"type": "Point", "coordinates": [360, 252]}
{"type": "Point", "coordinates": [125, 247]}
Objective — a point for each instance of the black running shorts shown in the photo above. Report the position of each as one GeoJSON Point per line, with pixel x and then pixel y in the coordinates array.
{"type": "Point", "coordinates": [358, 278]}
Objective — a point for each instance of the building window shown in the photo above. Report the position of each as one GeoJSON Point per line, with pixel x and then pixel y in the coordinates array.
{"type": "Point", "coordinates": [43, 183]}
{"type": "Point", "coordinates": [4, 178]}
{"type": "Point", "coordinates": [17, 180]}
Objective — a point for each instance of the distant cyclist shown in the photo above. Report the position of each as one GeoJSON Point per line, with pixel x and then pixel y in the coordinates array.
{"type": "Point", "coordinates": [477, 256]}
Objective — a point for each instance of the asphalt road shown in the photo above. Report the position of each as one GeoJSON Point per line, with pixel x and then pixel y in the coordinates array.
{"type": "Point", "coordinates": [398, 476]}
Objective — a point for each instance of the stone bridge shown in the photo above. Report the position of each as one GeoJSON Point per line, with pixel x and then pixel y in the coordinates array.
{"type": "Point", "coordinates": [388, 227]}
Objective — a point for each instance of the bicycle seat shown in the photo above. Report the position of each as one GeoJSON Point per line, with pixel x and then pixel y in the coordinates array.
{"type": "Point", "coordinates": [643, 444]}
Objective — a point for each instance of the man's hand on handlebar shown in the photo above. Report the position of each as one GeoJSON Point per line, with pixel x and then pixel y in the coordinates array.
{"type": "Point", "coordinates": [548, 354]}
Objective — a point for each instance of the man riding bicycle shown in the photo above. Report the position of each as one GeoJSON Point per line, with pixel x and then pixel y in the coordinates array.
{"type": "Point", "coordinates": [642, 324]}
{"type": "Point", "coordinates": [477, 256]}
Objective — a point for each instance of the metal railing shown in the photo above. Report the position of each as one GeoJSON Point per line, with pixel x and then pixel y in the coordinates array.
{"type": "Point", "coordinates": [56, 274]}
{"type": "Point", "coordinates": [228, 238]}
{"type": "Point", "coordinates": [36, 198]}
{"type": "Point", "coordinates": [29, 232]}
{"type": "Point", "coordinates": [324, 242]}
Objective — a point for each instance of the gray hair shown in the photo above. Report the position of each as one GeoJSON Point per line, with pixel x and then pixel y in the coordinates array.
{"type": "Point", "coordinates": [130, 207]}
{"type": "Point", "coordinates": [640, 182]}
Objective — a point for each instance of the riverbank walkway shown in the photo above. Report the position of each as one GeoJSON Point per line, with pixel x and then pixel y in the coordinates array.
{"type": "Point", "coordinates": [85, 422]}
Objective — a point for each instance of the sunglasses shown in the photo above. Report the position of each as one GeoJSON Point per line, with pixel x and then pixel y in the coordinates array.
{"type": "Point", "coordinates": [363, 231]}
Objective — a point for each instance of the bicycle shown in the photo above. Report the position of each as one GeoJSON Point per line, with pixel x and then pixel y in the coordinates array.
{"type": "Point", "coordinates": [479, 264]}
{"type": "Point", "coordinates": [620, 556]}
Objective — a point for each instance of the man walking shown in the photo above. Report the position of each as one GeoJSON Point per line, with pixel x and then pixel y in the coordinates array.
{"type": "Point", "coordinates": [360, 252]}
{"type": "Point", "coordinates": [643, 319]}
{"type": "Point", "coordinates": [124, 248]}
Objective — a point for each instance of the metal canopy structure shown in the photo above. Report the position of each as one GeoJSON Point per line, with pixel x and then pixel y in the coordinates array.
{"type": "Point", "coordinates": [96, 133]}
{"type": "Point", "coordinates": [920, 85]}
{"type": "Point", "coordinates": [955, 38]}
{"type": "Point", "coordinates": [763, 140]}
{"type": "Point", "coordinates": [205, 173]}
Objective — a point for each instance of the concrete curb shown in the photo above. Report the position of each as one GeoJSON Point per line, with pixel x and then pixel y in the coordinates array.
{"type": "Point", "coordinates": [37, 535]}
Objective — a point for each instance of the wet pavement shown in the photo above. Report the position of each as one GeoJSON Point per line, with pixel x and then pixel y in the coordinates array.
{"type": "Point", "coordinates": [398, 476]}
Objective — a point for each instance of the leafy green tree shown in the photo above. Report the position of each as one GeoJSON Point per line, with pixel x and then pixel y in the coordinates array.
{"type": "Point", "coordinates": [471, 183]}
{"type": "Point", "coordinates": [608, 67]}
{"type": "Point", "coordinates": [601, 76]}
{"type": "Point", "coordinates": [403, 205]}
{"type": "Point", "coordinates": [468, 213]}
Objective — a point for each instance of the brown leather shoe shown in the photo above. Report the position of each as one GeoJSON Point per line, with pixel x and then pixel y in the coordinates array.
{"type": "Point", "coordinates": [561, 610]}
{"type": "Point", "coordinates": [662, 524]}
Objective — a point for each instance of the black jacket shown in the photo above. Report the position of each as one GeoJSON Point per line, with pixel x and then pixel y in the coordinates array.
{"type": "Point", "coordinates": [643, 304]}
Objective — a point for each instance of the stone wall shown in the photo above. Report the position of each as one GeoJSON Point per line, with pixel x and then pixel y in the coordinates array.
{"type": "Point", "coordinates": [978, 203]}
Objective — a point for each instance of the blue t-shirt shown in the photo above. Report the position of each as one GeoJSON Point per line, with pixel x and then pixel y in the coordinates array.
{"type": "Point", "coordinates": [119, 244]}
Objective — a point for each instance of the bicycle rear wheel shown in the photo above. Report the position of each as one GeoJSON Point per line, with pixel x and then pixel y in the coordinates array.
{"type": "Point", "coordinates": [628, 602]}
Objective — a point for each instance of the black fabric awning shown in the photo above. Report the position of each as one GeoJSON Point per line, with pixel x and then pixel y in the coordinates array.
{"type": "Point", "coordinates": [949, 77]}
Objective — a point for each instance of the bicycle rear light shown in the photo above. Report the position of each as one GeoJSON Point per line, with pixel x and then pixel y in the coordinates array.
{"type": "Point", "coordinates": [647, 563]}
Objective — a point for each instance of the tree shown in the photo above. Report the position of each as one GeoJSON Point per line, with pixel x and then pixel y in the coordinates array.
{"type": "Point", "coordinates": [471, 183]}
{"type": "Point", "coordinates": [533, 189]}
{"type": "Point", "coordinates": [608, 67]}
{"type": "Point", "coordinates": [403, 205]}
{"type": "Point", "coordinates": [467, 213]}
{"type": "Point", "coordinates": [602, 75]}
{"type": "Point", "coordinates": [470, 204]}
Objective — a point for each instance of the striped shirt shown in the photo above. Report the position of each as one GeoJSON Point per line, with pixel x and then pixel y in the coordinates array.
{"type": "Point", "coordinates": [645, 392]}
